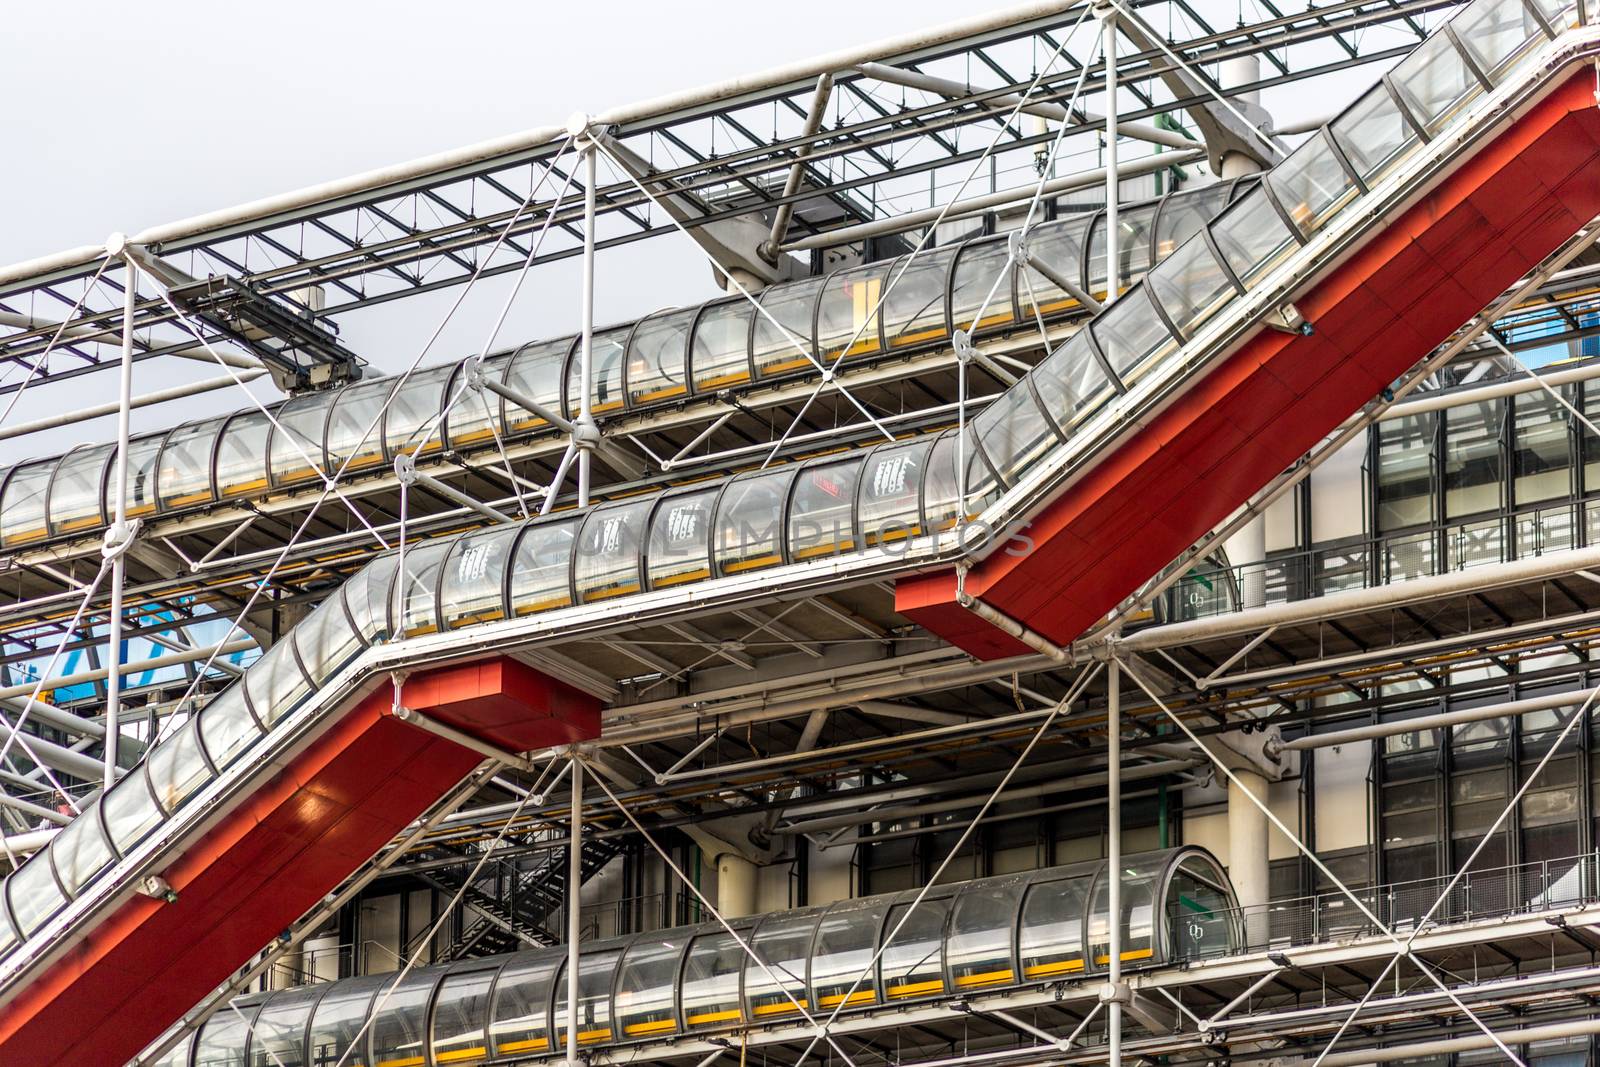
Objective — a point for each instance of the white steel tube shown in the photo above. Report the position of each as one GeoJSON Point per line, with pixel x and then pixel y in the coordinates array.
{"type": "Point", "coordinates": [574, 914]}
{"type": "Point", "coordinates": [586, 425]}
{"type": "Point", "coordinates": [1108, 37]}
{"type": "Point", "coordinates": [119, 526]}
{"type": "Point", "coordinates": [1114, 852]}
{"type": "Point", "coordinates": [1444, 719]}
{"type": "Point", "coordinates": [160, 396]}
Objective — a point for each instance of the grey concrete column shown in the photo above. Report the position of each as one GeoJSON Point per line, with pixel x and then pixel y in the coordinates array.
{"type": "Point", "coordinates": [736, 885]}
{"type": "Point", "coordinates": [1248, 844]}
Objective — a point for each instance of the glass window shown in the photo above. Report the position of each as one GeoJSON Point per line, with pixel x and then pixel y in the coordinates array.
{"type": "Point", "coordinates": [520, 1022]}
{"type": "Point", "coordinates": [222, 1039]}
{"type": "Point", "coordinates": [541, 570]}
{"type": "Point", "coordinates": [275, 684]}
{"type": "Point", "coordinates": [782, 340]}
{"type": "Point", "coordinates": [711, 980]}
{"type": "Point", "coordinates": [535, 372]}
{"type": "Point", "coordinates": [822, 509]}
{"type": "Point", "coordinates": [942, 487]}
{"type": "Point", "coordinates": [912, 964]}
{"type": "Point", "coordinates": [1374, 134]}
{"type": "Point", "coordinates": [749, 522]}
{"type": "Point", "coordinates": [1434, 82]}
{"type": "Point", "coordinates": [33, 894]}
{"type": "Point", "coordinates": [419, 583]}
{"type": "Point", "coordinates": [242, 455]}
{"type": "Point", "coordinates": [176, 767]}
{"type": "Point", "coordinates": [913, 310]}
{"type": "Point", "coordinates": [1311, 184]}
{"type": "Point", "coordinates": [368, 596]}
{"type": "Point", "coordinates": [1541, 456]}
{"type": "Point", "coordinates": [595, 971]}
{"type": "Point", "coordinates": [143, 455]}
{"type": "Point", "coordinates": [848, 308]}
{"type": "Point", "coordinates": [399, 1025]}
{"type": "Point", "coordinates": [1051, 940]}
{"type": "Point", "coordinates": [1059, 245]}
{"type": "Point", "coordinates": [325, 640]}
{"type": "Point", "coordinates": [1472, 470]}
{"type": "Point", "coordinates": [474, 419]}
{"type": "Point", "coordinates": [177, 1056]}
{"type": "Point", "coordinates": [1405, 471]}
{"type": "Point", "coordinates": [890, 507]}
{"type": "Point", "coordinates": [1014, 432]}
{"type": "Point", "coordinates": [355, 431]}
{"type": "Point", "coordinates": [413, 422]}
{"type": "Point", "coordinates": [1251, 236]}
{"type": "Point", "coordinates": [1496, 34]}
{"type": "Point", "coordinates": [472, 588]}
{"type": "Point", "coordinates": [278, 1038]}
{"type": "Point", "coordinates": [130, 811]}
{"type": "Point", "coordinates": [647, 984]}
{"type": "Point", "coordinates": [22, 509]}
{"type": "Point", "coordinates": [295, 454]}
{"type": "Point", "coordinates": [226, 726]}
{"type": "Point", "coordinates": [1138, 917]}
{"type": "Point", "coordinates": [184, 477]}
{"type": "Point", "coordinates": [680, 539]}
{"type": "Point", "coordinates": [847, 938]}
{"type": "Point", "coordinates": [1072, 384]}
{"type": "Point", "coordinates": [461, 1017]}
{"type": "Point", "coordinates": [607, 358]}
{"type": "Point", "coordinates": [1133, 247]}
{"type": "Point", "coordinates": [609, 549]}
{"type": "Point", "coordinates": [979, 949]}
{"type": "Point", "coordinates": [720, 350]}
{"type": "Point", "coordinates": [1132, 335]}
{"type": "Point", "coordinates": [1182, 215]}
{"type": "Point", "coordinates": [657, 356]}
{"type": "Point", "coordinates": [338, 1018]}
{"type": "Point", "coordinates": [1191, 286]}
{"type": "Point", "coordinates": [783, 942]}
{"type": "Point", "coordinates": [80, 851]}
{"type": "Point", "coordinates": [983, 266]}
{"type": "Point", "coordinates": [78, 492]}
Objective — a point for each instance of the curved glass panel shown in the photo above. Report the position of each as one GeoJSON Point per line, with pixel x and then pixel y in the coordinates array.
{"type": "Point", "coordinates": [355, 429]}
{"type": "Point", "coordinates": [80, 851]}
{"type": "Point", "coordinates": [33, 895]}
{"type": "Point", "coordinates": [1014, 432]}
{"type": "Point", "coordinates": [222, 1040]}
{"type": "Point", "coordinates": [1051, 939]}
{"type": "Point", "coordinates": [295, 453]}
{"type": "Point", "coordinates": [749, 522]}
{"type": "Point", "coordinates": [822, 509]}
{"type": "Point", "coordinates": [942, 487]}
{"type": "Point", "coordinates": [783, 942]}
{"type": "Point", "coordinates": [419, 584]}
{"type": "Point", "coordinates": [338, 1018]}
{"type": "Point", "coordinates": [1191, 286]}
{"type": "Point", "coordinates": [22, 504]}
{"type": "Point", "coordinates": [658, 354]}
{"type": "Point", "coordinates": [711, 981]}
{"type": "Point", "coordinates": [520, 1021]}
{"type": "Point", "coordinates": [535, 372]}
{"type": "Point", "coordinates": [1497, 34]}
{"type": "Point", "coordinates": [782, 339]}
{"type": "Point", "coordinates": [176, 767]}
{"type": "Point", "coordinates": [78, 490]}
{"type": "Point", "coordinates": [847, 938]}
{"type": "Point", "coordinates": [368, 596]}
{"type": "Point", "coordinates": [472, 587]}
{"type": "Point", "coordinates": [1059, 245]}
{"type": "Point", "coordinates": [983, 268]}
{"type": "Point", "coordinates": [1311, 184]}
{"type": "Point", "coordinates": [143, 455]}
{"type": "Point", "coordinates": [130, 811]}
{"type": "Point", "coordinates": [609, 550]}
{"type": "Point", "coordinates": [912, 964]}
{"type": "Point", "coordinates": [595, 971]}
{"type": "Point", "coordinates": [913, 311]}
{"type": "Point", "coordinates": [607, 351]}
{"type": "Point", "coordinates": [278, 1037]}
{"type": "Point", "coordinates": [1072, 384]}
{"type": "Point", "coordinates": [1435, 82]}
{"type": "Point", "coordinates": [719, 352]}
{"type": "Point", "coordinates": [475, 418]}
{"type": "Point", "coordinates": [890, 504]}
{"type": "Point", "coordinates": [226, 726]}
{"type": "Point", "coordinates": [1139, 876]}
{"type": "Point", "coordinates": [1251, 236]}
{"type": "Point", "coordinates": [177, 1056]}
{"type": "Point", "coordinates": [541, 570]}
{"type": "Point", "coordinates": [1132, 336]}
{"type": "Point", "coordinates": [400, 1026]}
{"type": "Point", "coordinates": [647, 986]}
{"type": "Point", "coordinates": [1200, 912]}
{"type": "Point", "coordinates": [1374, 134]}
{"type": "Point", "coordinates": [979, 951]}
{"type": "Point", "coordinates": [1134, 238]}
{"type": "Point", "coordinates": [325, 640]}
{"type": "Point", "coordinates": [414, 421]}
{"type": "Point", "coordinates": [680, 539]}
{"type": "Point", "coordinates": [275, 684]}
{"type": "Point", "coordinates": [242, 455]}
{"type": "Point", "coordinates": [461, 1017]}
{"type": "Point", "coordinates": [1182, 215]}
{"type": "Point", "coordinates": [848, 307]}
{"type": "Point", "coordinates": [184, 475]}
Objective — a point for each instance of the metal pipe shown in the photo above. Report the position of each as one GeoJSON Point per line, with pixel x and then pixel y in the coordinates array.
{"type": "Point", "coordinates": [1006, 624]}
{"type": "Point", "coordinates": [1447, 1045]}
{"type": "Point", "coordinates": [574, 912]}
{"type": "Point", "coordinates": [1380, 730]}
{"type": "Point", "coordinates": [975, 205]}
{"type": "Point", "coordinates": [29, 841]}
{"type": "Point", "coordinates": [465, 740]}
{"type": "Point", "coordinates": [117, 536]}
{"type": "Point", "coordinates": [450, 492]}
{"type": "Point", "coordinates": [107, 336]}
{"type": "Point", "coordinates": [161, 396]}
{"type": "Point", "coordinates": [772, 249]}
{"type": "Point", "coordinates": [131, 667]}
{"type": "Point", "coordinates": [586, 430]}
{"type": "Point", "coordinates": [1065, 284]}
{"type": "Point", "coordinates": [527, 403]}
{"type": "Point", "coordinates": [1114, 849]}
{"type": "Point", "coordinates": [38, 811]}
{"type": "Point", "coordinates": [1108, 45]}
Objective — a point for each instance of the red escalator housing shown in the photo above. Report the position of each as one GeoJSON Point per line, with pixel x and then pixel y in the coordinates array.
{"type": "Point", "coordinates": [1499, 214]}
{"type": "Point", "coordinates": [274, 856]}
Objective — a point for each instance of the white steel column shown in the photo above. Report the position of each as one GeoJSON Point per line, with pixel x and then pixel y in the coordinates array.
{"type": "Point", "coordinates": [574, 912]}
{"type": "Point", "coordinates": [1114, 853]}
{"type": "Point", "coordinates": [1108, 46]}
{"type": "Point", "coordinates": [585, 432]}
{"type": "Point", "coordinates": [736, 885]}
{"type": "Point", "coordinates": [117, 535]}
{"type": "Point", "coordinates": [1247, 850]}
